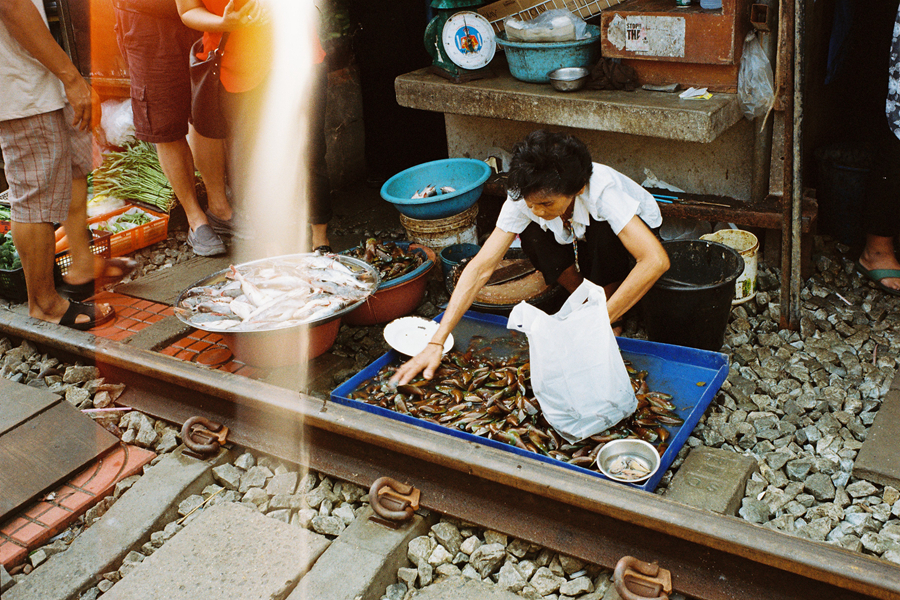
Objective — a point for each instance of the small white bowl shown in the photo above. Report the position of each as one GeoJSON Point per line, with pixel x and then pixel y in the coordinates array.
{"type": "Point", "coordinates": [410, 335]}
{"type": "Point", "coordinates": [617, 451]}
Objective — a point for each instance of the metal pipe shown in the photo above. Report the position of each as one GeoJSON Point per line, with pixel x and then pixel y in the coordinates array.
{"type": "Point", "coordinates": [785, 71]}
{"type": "Point", "coordinates": [797, 174]}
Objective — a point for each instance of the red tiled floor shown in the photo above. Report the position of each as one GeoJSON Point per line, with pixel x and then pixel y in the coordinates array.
{"type": "Point", "coordinates": [132, 315]}
{"type": "Point", "coordinates": [11, 553]}
{"type": "Point", "coordinates": [193, 344]}
{"type": "Point", "coordinates": [47, 517]}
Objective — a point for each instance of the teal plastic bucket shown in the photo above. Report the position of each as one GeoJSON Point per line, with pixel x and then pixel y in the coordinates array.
{"type": "Point", "coordinates": [533, 61]}
{"type": "Point", "coordinates": [452, 255]}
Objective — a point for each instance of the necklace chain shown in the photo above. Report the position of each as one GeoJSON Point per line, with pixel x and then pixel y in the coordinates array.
{"type": "Point", "coordinates": [567, 223]}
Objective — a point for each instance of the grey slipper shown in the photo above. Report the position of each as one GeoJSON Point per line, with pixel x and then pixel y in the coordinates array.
{"type": "Point", "coordinates": [205, 242]}
{"type": "Point", "coordinates": [236, 226]}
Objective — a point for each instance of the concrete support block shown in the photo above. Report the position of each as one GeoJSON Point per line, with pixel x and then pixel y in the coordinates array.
{"type": "Point", "coordinates": [149, 505]}
{"type": "Point", "coordinates": [713, 479]}
{"type": "Point", "coordinates": [362, 561]}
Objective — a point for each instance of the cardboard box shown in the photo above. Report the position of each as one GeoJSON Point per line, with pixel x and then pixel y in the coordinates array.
{"type": "Point", "coordinates": [529, 9]}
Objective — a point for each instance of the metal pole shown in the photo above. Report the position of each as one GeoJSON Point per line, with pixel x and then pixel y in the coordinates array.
{"type": "Point", "coordinates": [786, 64]}
{"type": "Point", "coordinates": [797, 183]}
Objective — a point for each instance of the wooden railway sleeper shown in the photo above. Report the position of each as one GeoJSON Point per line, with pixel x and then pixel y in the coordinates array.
{"type": "Point", "coordinates": [638, 580]}
{"type": "Point", "coordinates": [392, 500]}
{"type": "Point", "coordinates": [203, 436]}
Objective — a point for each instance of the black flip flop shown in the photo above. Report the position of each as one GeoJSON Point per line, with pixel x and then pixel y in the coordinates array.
{"type": "Point", "coordinates": [90, 310]}
{"type": "Point", "coordinates": [323, 250]}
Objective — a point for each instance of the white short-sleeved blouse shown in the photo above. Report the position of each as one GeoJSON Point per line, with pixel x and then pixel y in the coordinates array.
{"type": "Point", "coordinates": [609, 196]}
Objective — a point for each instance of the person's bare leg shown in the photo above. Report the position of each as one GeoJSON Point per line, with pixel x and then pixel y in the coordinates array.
{"type": "Point", "coordinates": [209, 156]}
{"type": "Point", "coordinates": [35, 244]}
{"type": "Point", "coordinates": [177, 163]}
{"type": "Point", "coordinates": [570, 279]}
{"type": "Point", "coordinates": [879, 254]}
{"type": "Point", "coordinates": [319, 235]}
{"type": "Point", "coordinates": [81, 270]}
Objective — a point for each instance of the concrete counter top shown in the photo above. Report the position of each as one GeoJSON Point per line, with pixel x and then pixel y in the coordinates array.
{"type": "Point", "coordinates": [643, 113]}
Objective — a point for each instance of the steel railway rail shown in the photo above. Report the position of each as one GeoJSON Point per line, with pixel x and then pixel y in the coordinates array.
{"type": "Point", "coordinates": [711, 557]}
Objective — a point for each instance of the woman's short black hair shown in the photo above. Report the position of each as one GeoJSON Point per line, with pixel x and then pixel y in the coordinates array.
{"type": "Point", "coordinates": [546, 162]}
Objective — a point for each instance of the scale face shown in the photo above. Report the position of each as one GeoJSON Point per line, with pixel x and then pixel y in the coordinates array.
{"type": "Point", "coordinates": [468, 39]}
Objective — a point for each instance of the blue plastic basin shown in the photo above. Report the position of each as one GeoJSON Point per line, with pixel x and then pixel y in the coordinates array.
{"type": "Point", "coordinates": [466, 175]}
{"type": "Point", "coordinates": [533, 61]}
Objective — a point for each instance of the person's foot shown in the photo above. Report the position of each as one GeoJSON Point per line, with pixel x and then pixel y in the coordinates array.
{"type": "Point", "coordinates": [205, 242]}
{"type": "Point", "coordinates": [77, 315]}
{"type": "Point", "coordinates": [878, 261]}
{"type": "Point", "coordinates": [236, 226]}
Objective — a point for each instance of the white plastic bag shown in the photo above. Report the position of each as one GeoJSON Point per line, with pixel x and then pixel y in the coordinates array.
{"type": "Point", "coordinates": [555, 25]}
{"type": "Point", "coordinates": [117, 122]}
{"type": "Point", "coordinates": [577, 372]}
{"type": "Point", "coordinates": [756, 84]}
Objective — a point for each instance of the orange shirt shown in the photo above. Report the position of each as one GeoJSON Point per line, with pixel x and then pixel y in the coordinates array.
{"type": "Point", "coordinates": [248, 52]}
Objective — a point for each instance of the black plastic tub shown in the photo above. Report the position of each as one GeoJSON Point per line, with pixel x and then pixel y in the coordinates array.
{"type": "Point", "coordinates": [691, 303]}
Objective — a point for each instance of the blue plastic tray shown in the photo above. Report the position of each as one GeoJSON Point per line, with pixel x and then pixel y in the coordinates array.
{"type": "Point", "coordinates": [693, 377]}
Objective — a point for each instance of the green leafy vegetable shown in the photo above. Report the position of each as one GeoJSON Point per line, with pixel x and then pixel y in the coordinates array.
{"type": "Point", "coordinates": [9, 257]}
{"type": "Point", "coordinates": [134, 174]}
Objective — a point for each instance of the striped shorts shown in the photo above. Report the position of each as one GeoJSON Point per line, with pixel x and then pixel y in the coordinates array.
{"type": "Point", "coordinates": [42, 154]}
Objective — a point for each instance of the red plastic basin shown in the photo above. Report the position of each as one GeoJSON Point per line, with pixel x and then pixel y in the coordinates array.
{"type": "Point", "coordinates": [393, 302]}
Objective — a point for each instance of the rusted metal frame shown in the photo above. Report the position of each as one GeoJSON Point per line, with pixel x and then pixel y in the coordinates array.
{"type": "Point", "coordinates": [797, 163]}
{"type": "Point", "coordinates": [786, 85]}
{"type": "Point", "coordinates": [297, 427]}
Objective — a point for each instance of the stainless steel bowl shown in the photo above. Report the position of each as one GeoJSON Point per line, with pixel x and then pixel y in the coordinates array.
{"type": "Point", "coordinates": [569, 79]}
{"type": "Point", "coordinates": [626, 450]}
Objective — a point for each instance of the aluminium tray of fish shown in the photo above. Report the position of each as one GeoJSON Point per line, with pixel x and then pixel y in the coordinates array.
{"type": "Point", "coordinates": [277, 293]}
{"type": "Point", "coordinates": [500, 410]}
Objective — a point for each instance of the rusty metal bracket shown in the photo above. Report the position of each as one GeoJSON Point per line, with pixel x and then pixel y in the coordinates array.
{"type": "Point", "coordinates": [760, 17]}
{"type": "Point", "coordinates": [393, 500]}
{"type": "Point", "coordinates": [638, 580]}
{"type": "Point", "coordinates": [203, 436]}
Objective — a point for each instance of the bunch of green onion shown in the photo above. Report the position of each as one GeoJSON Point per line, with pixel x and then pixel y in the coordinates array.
{"type": "Point", "coordinates": [134, 174]}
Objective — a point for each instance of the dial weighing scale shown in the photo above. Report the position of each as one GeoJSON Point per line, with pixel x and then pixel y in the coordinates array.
{"type": "Point", "coordinates": [461, 42]}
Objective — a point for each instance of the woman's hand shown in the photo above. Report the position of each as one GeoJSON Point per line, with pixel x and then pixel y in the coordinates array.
{"type": "Point", "coordinates": [425, 362]}
{"type": "Point", "coordinates": [249, 13]}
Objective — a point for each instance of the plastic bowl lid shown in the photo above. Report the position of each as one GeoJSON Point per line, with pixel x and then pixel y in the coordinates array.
{"type": "Point", "coordinates": [410, 335]}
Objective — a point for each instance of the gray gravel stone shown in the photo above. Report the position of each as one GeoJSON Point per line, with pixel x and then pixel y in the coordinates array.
{"type": "Point", "coordinates": [447, 534]}
{"type": "Point", "coordinates": [545, 582]}
{"type": "Point", "coordinates": [488, 558]}
{"type": "Point", "coordinates": [820, 487]}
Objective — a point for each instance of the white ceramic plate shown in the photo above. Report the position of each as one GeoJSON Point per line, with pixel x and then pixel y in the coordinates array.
{"type": "Point", "coordinates": [410, 335]}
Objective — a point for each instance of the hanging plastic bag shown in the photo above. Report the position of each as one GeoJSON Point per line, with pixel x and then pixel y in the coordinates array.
{"type": "Point", "coordinates": [577, 372]}
{"type": "Point", "coordinates": [756, 84]}
{"type": "Point", "coordinates": [117, 122]}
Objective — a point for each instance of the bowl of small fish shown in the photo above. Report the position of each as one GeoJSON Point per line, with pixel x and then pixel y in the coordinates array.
{"type": "Point", "coordinates": [437, 189]}
{"type": "Point", "coordinates": [403, 268]}
{"type": "Point", "coordinates": [278, 311]}
{"type": "Point", "coordinates": [628, 460]}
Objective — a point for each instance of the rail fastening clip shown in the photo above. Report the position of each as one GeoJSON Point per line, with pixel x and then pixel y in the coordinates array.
{"type": "Point", "coordinates": [203, 436]}
{"type": "Point", "coordinates": [393, 500]}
